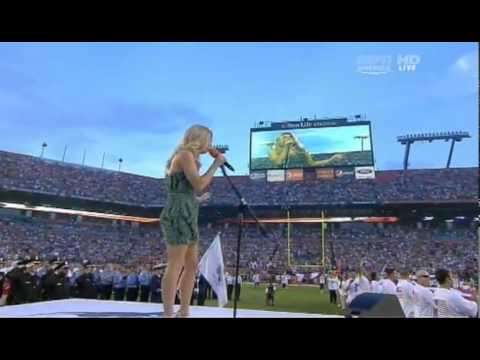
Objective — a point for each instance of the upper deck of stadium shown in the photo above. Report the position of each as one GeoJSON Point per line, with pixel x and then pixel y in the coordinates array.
{"type": "Point", "coordinates": [31, 174]}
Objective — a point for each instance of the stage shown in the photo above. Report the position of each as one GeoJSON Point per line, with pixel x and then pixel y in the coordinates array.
{"type": "Point", "coordinates": [82, 308]}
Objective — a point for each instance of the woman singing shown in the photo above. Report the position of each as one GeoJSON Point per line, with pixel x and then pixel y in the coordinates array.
{"type": "Point", "coordinates": [179, 218]}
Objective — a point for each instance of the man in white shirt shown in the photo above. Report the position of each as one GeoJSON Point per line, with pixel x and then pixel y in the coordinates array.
{"type": "Point", "coordinates": [457, 305]}
{"type": "Point", "coordinates": [332, 284]}
{"type": "Point", "coordinates": [388, 286]}
{"type": "Point", "coordinates": [321, 280]}
{"type": "Point", "coordinates": [256, 280]}
{"type": "Point", "coordinates": [358, 285]}
{"type": "Point", "coordinates": [405, 293]}
{"type": "Point", "coordinates": [284, 279]}
{"type": "Point", "coordinates": [423, 296]}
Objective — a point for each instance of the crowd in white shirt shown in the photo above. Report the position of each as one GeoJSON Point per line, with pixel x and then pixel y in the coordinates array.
{"type": "Point", "coordinates": [416, 295]}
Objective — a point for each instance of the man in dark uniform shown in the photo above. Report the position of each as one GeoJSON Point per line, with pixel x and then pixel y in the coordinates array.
{"type": "Point", "coordinates": [2, 279]}
{"type": "Point", "coordinates": [106, 279]}
{"type": "Point", "coordinates": [209, 291]}
{"type": "Point", "coordinates": [202, 290]}
{"type": "Point", "coordinates": [85, 283]}
{"type": "Point", "coordinates": [14, 280]}
{"type": "Point", "coordinates": [46, 280]}
{"type": "Point", "coordinates": [144, 279]}
{"type": "Point", "coordinates": [5, 290]}
{"type": "Point", "coordinates": [156, 286]}
{"type": "Point", "coordinates": [55, 283]}
{"type": "Point", "coordinates": [22, 283]}
{"type": "Point", "coordinates": [195, 291]}
{"type": "Point", "coordinates": [132, 285]}
{"type": "Point", "coordinates": [30, 283]}
{"type": "Point", "coordinates": [97, 279]}
{"type": "Point", "coordinates": [238, 288]}
{"type": "Point", "coordinates": [36, 280]}
{"type": "Point", "coordinates": [72, 282]}
{"type": "Point", "coordinates": [119, 284]}
{"type": "Point", "coordinates": [270, 294]}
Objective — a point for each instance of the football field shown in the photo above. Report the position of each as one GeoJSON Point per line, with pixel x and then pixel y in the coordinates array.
{"type": "Point", "coordinates": [300, 299]}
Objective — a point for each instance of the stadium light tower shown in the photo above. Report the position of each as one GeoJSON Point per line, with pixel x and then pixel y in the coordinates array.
{"type": "Point", "coordinates": [452, 136]}
{"type": "Point", "coordinates": [44, 145]}
{"type": "Point", "coordinates": [362, 138]}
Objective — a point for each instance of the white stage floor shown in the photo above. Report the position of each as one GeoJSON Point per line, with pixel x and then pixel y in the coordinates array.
{"type": "Point", "coordinates": [81, 308]}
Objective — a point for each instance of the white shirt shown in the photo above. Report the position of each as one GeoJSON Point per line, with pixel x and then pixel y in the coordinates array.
{"type": "Point", "coordinates": [423, 302]}
{"type": "Point", "coordinates": [322, 279]}
{"type": "Point", "coordinates": [405, 293]}
{"type": "Point", "coordinates": [375, 287]}
{"type": "Point", "coordinates": [343, 287]}
{"type": "Point", "coordinates": [458, 306]}
{"type": "Point", "coordinates": [387, 286]}
{"type": "Point", "coordinates": [333, 283]}
{"type": "Point", "coordinates": [256, 278]}
{"type": "Point", "coordinates": [356, 287]}
{"type": "Point", "coordinates": [239, 281]}
{"type": "Point", "coordinates": [229, 279]}
{"type": "Point", "coordinates": [284, 279]}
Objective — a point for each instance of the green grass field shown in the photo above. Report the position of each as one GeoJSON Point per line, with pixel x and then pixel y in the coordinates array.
{"type": "Point", "coordinates": [300, 299]}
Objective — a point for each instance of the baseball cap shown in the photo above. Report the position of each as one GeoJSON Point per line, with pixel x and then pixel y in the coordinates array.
{"type": "Point", "coordinates": [422, 273]}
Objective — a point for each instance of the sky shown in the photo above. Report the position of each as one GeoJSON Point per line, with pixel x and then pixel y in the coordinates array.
{"type": "Point", "coordinates": [316, 140]}
{"type": "Point", "coordinates": [135, 100]}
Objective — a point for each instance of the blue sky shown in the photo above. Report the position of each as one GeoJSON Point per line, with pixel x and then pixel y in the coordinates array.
{"type": "Point", "coordinates": [316, 141]}
{"type": "Point", "coordinates": [134, 100]}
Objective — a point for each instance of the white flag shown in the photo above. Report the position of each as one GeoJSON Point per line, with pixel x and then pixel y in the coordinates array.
{"type": "Point", "coordinates": [211, 267]}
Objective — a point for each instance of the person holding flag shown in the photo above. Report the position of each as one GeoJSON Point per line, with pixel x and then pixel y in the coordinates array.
{"type": "Point", "coordinates": [213, 270]}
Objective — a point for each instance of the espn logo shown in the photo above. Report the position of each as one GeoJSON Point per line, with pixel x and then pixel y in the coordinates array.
{"type": "Point", "coordinates": [407, 62]}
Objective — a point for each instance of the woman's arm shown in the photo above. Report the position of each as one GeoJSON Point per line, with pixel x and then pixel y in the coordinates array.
{"type": "Point", "coordinates": [189, 167]}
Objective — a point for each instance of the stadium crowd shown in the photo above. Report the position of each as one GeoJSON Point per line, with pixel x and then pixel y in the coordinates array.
{"type": "Point", "coordinates": [27, 173]}
{"type": "Point", "coordinates": [402, 246]}
{"type": "Point", "coordinates": [129, 252]}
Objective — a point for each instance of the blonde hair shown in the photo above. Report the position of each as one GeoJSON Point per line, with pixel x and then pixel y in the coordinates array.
{"type": "Point", "coordinates": [195, 138]}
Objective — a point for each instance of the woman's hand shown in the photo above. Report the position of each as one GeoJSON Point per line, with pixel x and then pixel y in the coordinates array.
{"type": "Point", "coordinates": [217, 155]}
{"type": "Point", "coordinates": [204, 197]}
{"type": "Point", "coordinates": [219, 160]}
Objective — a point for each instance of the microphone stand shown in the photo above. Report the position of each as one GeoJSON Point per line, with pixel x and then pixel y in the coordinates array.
{"type": "Point", "coordinates": [243, 209]}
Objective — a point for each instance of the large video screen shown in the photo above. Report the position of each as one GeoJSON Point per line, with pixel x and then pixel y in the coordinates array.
{"type": "Point", "coordinates": [347, 145]}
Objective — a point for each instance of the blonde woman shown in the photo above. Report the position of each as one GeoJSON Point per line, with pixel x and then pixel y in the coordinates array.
{"type": "Point", "coordinates": [179, 218]}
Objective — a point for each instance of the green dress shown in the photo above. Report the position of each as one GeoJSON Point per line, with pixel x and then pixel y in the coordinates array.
{"type": "Point", "coordinates": [179, 218]}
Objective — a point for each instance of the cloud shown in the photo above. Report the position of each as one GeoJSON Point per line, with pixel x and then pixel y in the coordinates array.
{"type": "Point", "coordinates": [147, 118]}
{"type": "Point", "coordinates": [466, 65]}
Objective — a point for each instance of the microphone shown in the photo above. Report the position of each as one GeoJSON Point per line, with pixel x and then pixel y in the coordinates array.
{"type": "Point", "coordinates": [214, 153]}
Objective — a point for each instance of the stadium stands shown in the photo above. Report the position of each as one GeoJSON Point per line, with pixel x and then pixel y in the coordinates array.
{"type": "Point", "coordinates": [31, 174]}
